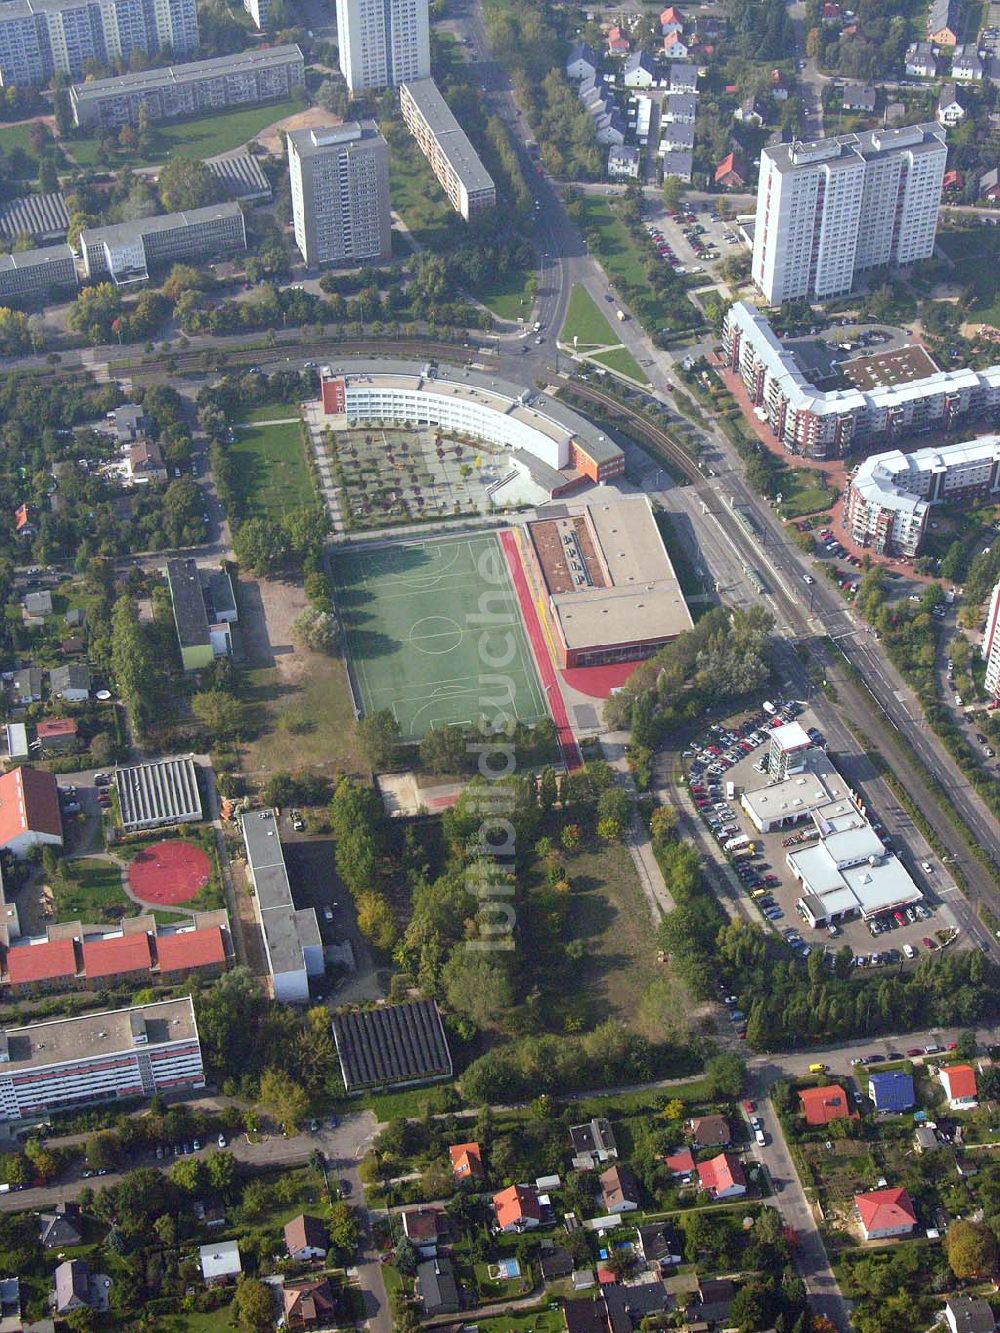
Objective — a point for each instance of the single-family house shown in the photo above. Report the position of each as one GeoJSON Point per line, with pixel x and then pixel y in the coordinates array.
{"type": "Point", "coordinates": [582, 62]}
{"type": "Point", "coordinates": [751, 111]}
{"type": "Point", "coordinates": [37, 605]}
{"type": "Point", "coordinates": [710, 1305]}
{"type": "Point", "coordinates": [683, 77]}
{"type": "Point", "coordinates": [680, 108]}
{"type": "Point", "coordinates": [144, 463]}
{"type": "Point", "coordinates": [953, 180]}
{"type": "Point", "coordinates": [831, 12]}
{"type": "Point", "coordinates": [921, 62]}
{"type": "Point", "coordinates": [969, 1314]}
{"type": "Point", "coordinates": [989, 185]}
{"type": "Point", "coordinates": [944, 22]}
{"type": "Point", "coordinates": [710, 27]}
{"type": "Point", "coordinates": [72, 646]}
{"type": "Point", "coordinates": [220, 1262]}
{"type": "Point", "coordinates": [821, 1105]}
{"type": "Point", "coordinates": [75, 618]}
{"type": "Point", "coordinates": [629, 1305]}
{"type": "Point", "coordinates": [29, 810]}
{"type": "Point", "coordinates": [618, 42]}
{"type": "Point", "coordinates": [959, 1083]}
{"type": "Point", "coordinates": [306, 1238]}
{"type": "Point", "coordinates": [639, 70]}
{"type": "Point", "coordinates": [679, 163]}
{"type": "Point", "coordinates": [609, 128]}
{"type": "Point", "coordinates": [421, 1227]}
{"type": "Point", "coordinates": [586, 1316]}
{"type": "Point", "coordinates": [131, 422]}
{"type": "Point", "coordinates": [732, 172]}
{"type": "Point", "coordinates": [309, 1305]}
{"type": "Point", "coordinates": [27, 686]}
{"type": "Point", "coordinates": [619, 1190]}
{"type": "Point", "coordinates": [680, 1163]}
{"type": "Point", "coordinates": [57, 734]}
{"type": "Point", "coordinates": [925, 1139]}
{"type": "Point", "coordinates": [722, 1177]}
{"type": "Point", "coordinates": [660, 1245]}
{"type": "Point", "coordinates": [517, 1208]}
{"type": "Point", "coordinates": [671, 20]}
{"type": "Point", "coordinates": [436, 1287]}
{"type": "Point", "coordinates": [25, 520]}
{"type": "Point", "coordinates": [624, 161]}
{"type": "Point", "coordinates": [75, 1287]}
{"type": "Point", "coordinates": [594, 1139]}
{"type": "Point", "coordinates": [780, 87]}
{"type": "Point", "coordinates": [966, 64]}
{"type": "Point", "coordinates": [858, 97]}
{"type": "Point", "coordinates": [885, 1213]}
{"type": "Point", "coordinates": [10, 1305]}
{"type": "Point", "coordinates": [70, 682]}
{"type": "Point", "coordinates": [710, 1131]}
{"type": "Point", "coordinates": [466, 1162]}
{"type": "Point", "coordinates": [58, 1228]}
{"type": "Point", "coordinates": [675, 48]}
{"type": "Point", "coordinates": [891, 1092]}
{"type": "Point", "coordinates": [554, 1262]}
{"type": "Point", "coordinates": [951, 109]}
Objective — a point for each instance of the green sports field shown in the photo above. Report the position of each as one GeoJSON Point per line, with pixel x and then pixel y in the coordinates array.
{"type": "Point", "coordinates": [415, 643]}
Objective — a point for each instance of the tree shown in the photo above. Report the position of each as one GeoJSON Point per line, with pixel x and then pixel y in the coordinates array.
{"type": "Point", "coordinates": [343, 1229]}
{"type": "Point", "coordinates": [81, 1320]}
{"type": "Point", "coordinates": [673, 191]}
{"type": "Point", "coordinates": [186, 182]}
{"type": "Point", "coordinates": [379, 734]}
{"type": "Point", "coordinates": [188, 1174]}
{"type": "Point", "coordinates": [971, 1249]}
{"type": "Point", "coordinates": [222, 716]}
{"type": "Point", "coordinates": [281, 1098]}
{"type": "Point", "coordinates": [571, 837]}
{"type": "Point", "coordinates": [375, 920]}
{"type": "Point", "coordinates": [406, 1257]}
{"type": "Point", "coordinates": [443, 750]}
{"type": "Point", "coordinates": [609, 830]}
{"type": "Point", "coordinates": [477, 986]}
{"type": "Point", "coordinates": [102, 1151]}
{"type": "Point", "coordinates": [253, 1305]}
{"type": "Point", "coordinates": [725, 1075]}
{"type": "Point", "coordinates": [316, 630]}
{"type": "Point", "coordinates": [95, 310]}
{"type": "Point", "coordinates": [261, 545]}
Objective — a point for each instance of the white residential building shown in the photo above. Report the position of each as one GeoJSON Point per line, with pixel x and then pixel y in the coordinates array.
{"type": "Point", "coordinates": [991, 645]}
{"type": "Point", "coordinates": [454, 161]}
{"type": "Point", "coordinates": [340, 193]}
{"type": "Point", "coordinates": [383, 43]}
{"type": "Point", "coordinates": [830, 209]}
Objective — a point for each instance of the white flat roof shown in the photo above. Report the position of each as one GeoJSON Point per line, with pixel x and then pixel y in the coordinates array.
{"type": "Point", "coordinates": [818, 786]}
{"type": "Point", "coordinates": [792, 736]}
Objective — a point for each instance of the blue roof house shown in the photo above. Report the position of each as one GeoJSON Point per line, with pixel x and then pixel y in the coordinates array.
{"type": "Point", "coordinates": [892, 1091]}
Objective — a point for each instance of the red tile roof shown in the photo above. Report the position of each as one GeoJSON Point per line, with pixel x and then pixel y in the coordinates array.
{"type": "Point", "coordinates": [681, 1163]}
{"type": "Point", "coordinates": [731, 165]}
{"type": "Point", "coordinates": [56, 726]}
{"type": "Point", "coordinates": [516, 1202]}
{"type": "Point", "coordinates": [22, 516]}
{"type": "Point", "coordinates": [119, 953]}
{"type": "Point", "coordinates": [29, 801]}
{"type": "Point", "coordinates": [41, 962]}
{"type": "Point", "coordinates": [959, 1081]}
{"type": "Point", "coordinates": [884, 1210]}
{"type": "Point", "coordinates": [821, 1105]}
{"type": "Point", "coordinates": [466, 1161]}
{"type": "Point", "coordinates": [190, 948]}
{"type": "Point", "coordinates": [721, 1173]}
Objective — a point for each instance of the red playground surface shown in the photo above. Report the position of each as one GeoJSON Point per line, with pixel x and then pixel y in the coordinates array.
{"type": "Point", "coordinates": [167, 873]}
{"type": "Point", "coordinates": [599, 681]}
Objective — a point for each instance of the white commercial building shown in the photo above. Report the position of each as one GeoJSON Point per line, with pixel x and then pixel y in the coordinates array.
{"type": "Point", "coordinates": [97, 1058]}
{"type": "Point", "coordinates": [891, 494]}
{"type": "Point", "coordinates": [292, 941]}
{"type": "Point", "coordinates": [822, 423]}
{"type": "Point", "coordinates": [454, 161]}
{"type": "Point", "coordinates": [383, 43]}
{"type": "Point", "coordinates": [831, 209]}
{"type": "Point", "coordinates": [340, 193]}
{"type": "Point", "coordinates": [991, 645]}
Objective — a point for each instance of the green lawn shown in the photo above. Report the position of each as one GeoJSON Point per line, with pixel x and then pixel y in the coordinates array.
{"type": "Point", "coordinates": [621, 360]}
{"type": "Point", "coordinates": [17, 136]}
{"type": "Point", "coordinates": [620, 256]}
{"type": "Point", "coordinates": [804, 492]}
{"type": "Point", "coordinates": [271, 412]}
{"type": "Point", "coordinates": [206, 136]}
{"type": "Point", "coordinates": [586, 323]}
{"type": "Point", "coordinates": [508, 298]}
{"type": "Point", "coordinates": [975, 254]}
{"type": "Point", "coordinates": [417, 197]}
{"type": "Point", "coordinates": [308, 722]}
{"type": "Point", "coordinates": [90, 890]}
{"type": "Point", "coordinates": [271, 465]}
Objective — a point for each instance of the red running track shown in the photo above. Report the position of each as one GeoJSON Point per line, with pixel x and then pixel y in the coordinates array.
{"type": "Point", "coordinates": [540, 652]}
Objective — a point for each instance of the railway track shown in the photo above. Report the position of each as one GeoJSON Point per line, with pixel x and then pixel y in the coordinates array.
{"type": "Point", "coordinates": [643, 429]}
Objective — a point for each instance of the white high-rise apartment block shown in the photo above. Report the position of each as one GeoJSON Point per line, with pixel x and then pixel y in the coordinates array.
{"type": "Point", "coordinates": [340, 193]}
{"type": "Point", "coordinates": [828, 210]}
{"type": "Point", "coordinates": [383, 43]}
{"type": "Point", "coordinates": [991, 645]}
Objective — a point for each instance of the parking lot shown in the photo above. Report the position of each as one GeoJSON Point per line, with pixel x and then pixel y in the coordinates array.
{"type": "Point", "coordinates": [732, 759]}
{"type": "Point", "coordinates": [691, 242]}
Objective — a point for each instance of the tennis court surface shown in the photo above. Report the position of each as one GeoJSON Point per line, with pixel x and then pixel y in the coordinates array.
{"type": "Point", "coordinates": [424, 621]}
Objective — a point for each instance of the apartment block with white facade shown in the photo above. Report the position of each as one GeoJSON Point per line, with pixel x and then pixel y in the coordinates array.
{"type": "Point", "coordinates": [454, 161]}
{"type": "Point", "coordinates": [890, 495]}
{"type": "Point", "coordinates": [990, 647]}
{"type": "Point", "coordinates": [39, 38]}
{"type": "Point", "coordinates": [340, 193]}
{"type": "Point", "coordinates": [383, 43]}
{"type": "Point", "coordinates": [834, 208]}
{"type": "Point", "coordinates": [828, 423]}
{"type": "Point", "coordinates": [104, 1057]}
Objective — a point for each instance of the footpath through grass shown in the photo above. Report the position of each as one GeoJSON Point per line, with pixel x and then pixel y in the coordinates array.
{"type": "Point", "coordinates": [586, 323]}
{"type": "Point", "coordinates": [622, 360]}
{"type": "Point", "coordinates": [90, 890]}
